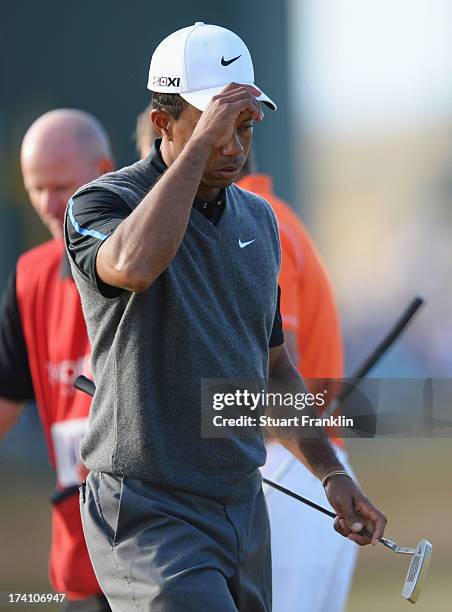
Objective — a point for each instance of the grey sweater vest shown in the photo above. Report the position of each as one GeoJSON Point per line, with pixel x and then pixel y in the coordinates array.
{"type": "Point", "coordinates": [208, 315]}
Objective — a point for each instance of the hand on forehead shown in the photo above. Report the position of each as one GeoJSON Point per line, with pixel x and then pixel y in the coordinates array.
{"type": "Point", "coordinates": [244, 117]}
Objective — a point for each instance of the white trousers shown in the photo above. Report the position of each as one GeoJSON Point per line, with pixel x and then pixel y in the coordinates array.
{"type": "Point", "coordinates": [312, 564]}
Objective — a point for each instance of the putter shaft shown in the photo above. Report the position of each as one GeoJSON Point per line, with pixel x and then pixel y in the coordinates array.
{"type": "Point", "coordinates": [312, 504]}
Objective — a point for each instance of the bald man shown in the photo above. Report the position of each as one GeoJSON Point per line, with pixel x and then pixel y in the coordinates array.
{"type": "Point", "coordinates": [43, 341]}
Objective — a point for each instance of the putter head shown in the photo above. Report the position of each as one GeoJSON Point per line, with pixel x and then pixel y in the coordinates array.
{"type": "Point", "coordinates": [417, 571]}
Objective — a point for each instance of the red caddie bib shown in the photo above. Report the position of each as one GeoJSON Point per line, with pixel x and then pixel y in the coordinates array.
{"type": "Point", "coordinates": [58, 351]}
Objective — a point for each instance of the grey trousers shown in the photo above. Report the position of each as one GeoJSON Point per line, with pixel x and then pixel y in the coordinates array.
{"type": "Point", "coordinates": [167, 551]}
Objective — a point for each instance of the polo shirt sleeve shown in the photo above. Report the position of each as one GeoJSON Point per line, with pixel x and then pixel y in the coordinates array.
{"type": "Point", "coordinates": [15, 378]}
{"type": "Point", "coordinates": [277, 335]}
{"type": "Point", "coordinates": [92, 216]}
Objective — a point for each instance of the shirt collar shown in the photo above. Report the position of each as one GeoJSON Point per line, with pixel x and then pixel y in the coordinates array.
{"type": "Point", "coordinates": [155, 157]}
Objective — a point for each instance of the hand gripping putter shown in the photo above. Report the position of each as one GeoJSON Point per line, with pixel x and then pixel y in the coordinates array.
{"type": "Point", "coordinates": [421, 555]}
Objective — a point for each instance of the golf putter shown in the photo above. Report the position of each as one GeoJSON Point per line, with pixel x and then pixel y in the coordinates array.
{"type": "Point", "coordinates": [421, 555]}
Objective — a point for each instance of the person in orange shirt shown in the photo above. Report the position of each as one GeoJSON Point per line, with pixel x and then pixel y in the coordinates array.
{"type": "Point", "coordinates": [312, 572]}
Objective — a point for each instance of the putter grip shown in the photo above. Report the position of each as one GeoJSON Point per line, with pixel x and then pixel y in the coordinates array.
{"type": "Point", "coordinates": [365, 533]}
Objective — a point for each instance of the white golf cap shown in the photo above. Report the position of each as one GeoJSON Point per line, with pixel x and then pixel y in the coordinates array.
{"type": "Point", "coordinates": [199, 61]}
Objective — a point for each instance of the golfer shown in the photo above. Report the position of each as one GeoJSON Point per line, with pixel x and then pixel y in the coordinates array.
{"type": "Point", "coordinates": [177, 270]}
{"type": "Point", "coordinates": [43, 339]}
{"type": "Point", "coordinates": [313, 340]}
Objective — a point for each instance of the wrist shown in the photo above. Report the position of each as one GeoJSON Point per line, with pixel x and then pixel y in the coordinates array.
{"type": "Point", "coordinates": [334, 474]}
{"type": "Point", "coordinates": [319, 456]}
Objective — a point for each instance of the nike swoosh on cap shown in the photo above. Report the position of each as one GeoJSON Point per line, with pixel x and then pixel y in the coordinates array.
{"type": "Point", "coordinates": [227, 62]}
{"type": "Point", "coordinates": [244, 244]}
